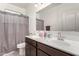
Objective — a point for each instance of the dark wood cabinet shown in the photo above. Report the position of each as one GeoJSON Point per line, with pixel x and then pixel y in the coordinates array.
{"type": "Point", "coordinates": [28, 50]}
{"type": "Point", "coordinates": [30, 41]}
{"type": "Point", "coordinates": [34, 48]}
{"type": "Point", "coordinates": [52, 51]}
{"type": "Point", "coordinates": [33, 51]}
{"type": "Point", "coordinates": [41, 53]}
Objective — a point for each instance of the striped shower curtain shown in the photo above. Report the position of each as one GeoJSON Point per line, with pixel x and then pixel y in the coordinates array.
{"type": "Point", "coordinates": [13, 29]}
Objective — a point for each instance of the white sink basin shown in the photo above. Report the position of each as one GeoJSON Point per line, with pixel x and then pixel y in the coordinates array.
{"type": "Point", "coordinates": [55, 41]}
{"type": "Point", "coordinates": [53, 38]}
{"type": "Point", "coordinates": [61, 43]}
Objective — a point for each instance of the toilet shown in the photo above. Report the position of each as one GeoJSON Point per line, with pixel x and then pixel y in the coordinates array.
{"type": "Point", "coordinates": [21, 48]}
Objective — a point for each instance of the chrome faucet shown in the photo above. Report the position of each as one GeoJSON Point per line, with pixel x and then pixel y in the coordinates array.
{"type": "Point", "coordinates": [60, 36]}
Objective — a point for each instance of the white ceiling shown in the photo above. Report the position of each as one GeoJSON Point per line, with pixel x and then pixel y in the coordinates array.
{"type": "Point", "coordinates": [40, 8]}
{"type": "Point", "coordinates": [31, 5]}
{"type": "Point", "coordinates": [52, 5]}
{"type": "Point", "coordinates": [23, 5]}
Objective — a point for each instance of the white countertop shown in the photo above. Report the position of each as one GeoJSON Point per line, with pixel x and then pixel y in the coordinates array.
{"type": "Point", "coordinates": [68, 46]}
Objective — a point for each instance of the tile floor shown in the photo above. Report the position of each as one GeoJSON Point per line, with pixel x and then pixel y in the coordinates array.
{"type": "Point", "coordinates": [14, 53]}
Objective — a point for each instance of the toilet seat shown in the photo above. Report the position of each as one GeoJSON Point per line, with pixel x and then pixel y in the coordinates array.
{"type": "Point", "coordinates": [21, 45]}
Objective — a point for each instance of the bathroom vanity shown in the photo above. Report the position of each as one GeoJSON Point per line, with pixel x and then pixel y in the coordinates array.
{"type": "Point", "coordinates": [41, 47]}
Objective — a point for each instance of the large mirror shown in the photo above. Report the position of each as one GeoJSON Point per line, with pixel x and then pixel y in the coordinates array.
{"type": "Point", "coordinates": [60, 17]}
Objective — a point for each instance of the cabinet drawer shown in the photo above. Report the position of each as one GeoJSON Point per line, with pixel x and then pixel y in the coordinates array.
{"type": "Point", "coordinates": [51, 51]}
{"type": "Point", "coordinates": [30, 41]}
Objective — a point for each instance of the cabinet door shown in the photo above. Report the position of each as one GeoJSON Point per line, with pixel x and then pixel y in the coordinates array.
{"type": "Point", "coordinates": [40, 53]}
{"type": "Point", "coordinates": [33, 51]}
{"type": "Point", "coordinates": [28, 50]}
{"type": "Point", "coordinates": [30, 41]}
{"type": "Point", "coordinates": [68, 21]}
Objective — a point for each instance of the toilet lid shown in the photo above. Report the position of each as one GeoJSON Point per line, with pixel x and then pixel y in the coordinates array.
{"type": "Point", "coordinates": [21, 45]}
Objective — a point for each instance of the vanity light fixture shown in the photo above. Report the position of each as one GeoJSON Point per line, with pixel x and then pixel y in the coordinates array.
{"type": "Point", "coordinates": [11, 11]}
